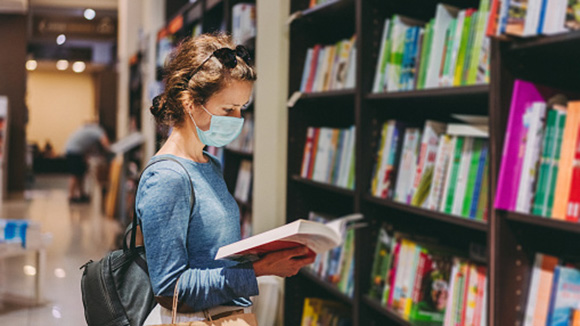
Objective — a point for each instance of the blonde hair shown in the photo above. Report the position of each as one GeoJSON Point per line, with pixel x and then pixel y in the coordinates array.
{"type": "Point", "coordinates": [181, 87]}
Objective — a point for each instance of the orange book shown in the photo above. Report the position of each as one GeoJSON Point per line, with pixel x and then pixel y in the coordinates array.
{"type": "Point", "coordinates": [544, 289]}
{"type": "Point", "coordinates": [575, 317]}
{"type": "Point", "coordinates": [563, 183]}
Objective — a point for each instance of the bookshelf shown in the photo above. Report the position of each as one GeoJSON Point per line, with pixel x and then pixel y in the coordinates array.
{"type": "Point", "coordinates": [511, 239]}
{"type": "Point", "coordinates": [183, 21]}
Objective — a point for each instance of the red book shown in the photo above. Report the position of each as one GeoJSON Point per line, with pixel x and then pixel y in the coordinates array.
{"type": "Point", "coordinates": [465, 291]}
{"type": "Point", "coordinates": [479, 304]}
{"type": "Point", "coordinates": [573, 211]}
{"type": "Point", "coordinates": [313, 153]}
{"type": "Point", "coordinates": [493, 16]}
{"type": "Point", "coordinates": [393, 272]}
{"type": "Point", "coordinates": [422, 266]}
{"type": "Point", "coordinates": [307, 157]}
{"type": "Point", "coordinates": [313, 68]}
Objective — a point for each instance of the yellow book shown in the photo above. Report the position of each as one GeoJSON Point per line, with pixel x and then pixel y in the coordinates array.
{"type": "Point", "coordinates": [563, 183]}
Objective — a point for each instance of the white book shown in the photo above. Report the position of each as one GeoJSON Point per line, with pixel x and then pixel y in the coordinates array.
{"type": "Point", "coordinates": [381, 64]}
{"type": "Point", "coordinates": [533, 291]}
{"type": "Point", "coordinates": [533, 121]}
{"type": "Point", "coordinates": [484, 305]}
{"type": "Point", "coordinates": [351, 72]}
{"type": "Point", "coordinates": [402, 270]}
{"type": "Point", "coordinates": [321, 161]}
{"type": "Point", "coordinates": [444, 152]}
{"type": "Point", "coordinates": [318, 237]}
{"type": "Point", "coordinates": [459, 129]}
{"type": "Point", "coordinates": [447, 80]}
{"type": "Point", "coordinates": [323, 69]}
{"type": "Point", "coordinates": [443, 17]}
{"type": "Point", "coordinates": [397, 46]}
{"type": "Point", "coordinates": [449, 311]}
{"type": "Point", "coordinates": [385, 158]}
{"type": "Point", "coordinates": [555, 17]}
{"type": "Point", "coordinates": [407, 165]}
{"type": "Point", "coordinates": [471, 295]}
{"type": "Point", "coordinates": [319, 73]}
{"type": "Point", "coordinates": [428, 151]}
{"type": "Point", "coordinates": [462, 176]}
{"type": "Point", "coordinates": [306, 71]}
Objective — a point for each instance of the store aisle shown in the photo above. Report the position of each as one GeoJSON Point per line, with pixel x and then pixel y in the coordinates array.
{"type": "Point", "coordinates": [79, 232]}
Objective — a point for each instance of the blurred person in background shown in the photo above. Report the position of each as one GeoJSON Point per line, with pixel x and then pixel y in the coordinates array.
{"type": "Point", "coordinates": [80, 143]}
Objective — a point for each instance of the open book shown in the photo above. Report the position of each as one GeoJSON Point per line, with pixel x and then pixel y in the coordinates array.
{"type": "Point", "coordinates": [318, 237]}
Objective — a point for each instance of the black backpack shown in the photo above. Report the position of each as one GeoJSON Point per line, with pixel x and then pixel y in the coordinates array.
{"type": "Point", "coordinates": [116, 290]}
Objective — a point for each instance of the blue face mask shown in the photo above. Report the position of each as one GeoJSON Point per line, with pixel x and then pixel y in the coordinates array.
{"type": "Point", "coordinates": [222, 130]}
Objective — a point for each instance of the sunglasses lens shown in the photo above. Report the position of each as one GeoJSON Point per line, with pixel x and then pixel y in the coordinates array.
{"type": "Point", "coordinates": [243, 53]}
{"type": "Point", "coordinates": [227, 57]}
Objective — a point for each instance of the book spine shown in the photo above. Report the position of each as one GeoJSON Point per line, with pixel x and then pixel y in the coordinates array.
{"type": "Point", "coordinates": [351, 171]}
{"type": "Point", "coordinates": [452, 181]}
{"type": "Point", "coordinates": [337, 157]}
{"type": "Point", "coordinates": [573, 206]}
{"type": "Point", "coordinates": [479, 180]}
{"type": "Point", "coordinates": [472, 176]}
{"type": "Point", "coordinates": [553, 295]}
{"type": "Point", "coordinates": [307, 152]}
{"type": "Point", "coordinates": [382, 60]}
{"type": "Point", "coordinates": [382, 158]}
{"type": "Point", "coordinates": [410, 282]}
{"type": "Point", "coordinates": [533, 291]}
{"type": "Point", "coordinates": [394, 156]}
{"type": "Point", "coordinates": [313, 68]}
{"type": "Point", "coordinates": [469, 48]}
{"type": "Point", "coordinates": [306, 71]}
{"type": "Point", "coordinates": [462, 176]}
{"type": "Point", "coordinates": [313, 155]}
{"type": "Point", "coordinates": [545, 163]}
{"type": "Point", "coordinates": [554, 164]}
{"type": "Point", "coordinates": [421, 269]}
{"type": "Point", "coordinates": [462, 47]}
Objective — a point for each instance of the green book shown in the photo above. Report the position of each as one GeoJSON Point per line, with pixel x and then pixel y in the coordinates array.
{"type": "Point", "coordinates": [449, 49]}
{"type": "Point", "coordinates": [542, 184]}
{"type": "Point", "coordinates": [462, 48]}
{"type": "Point", "coordinates": [483, 197]}
{"type": "Point", "coordinates": [554, 162]}
{"type": "Point", "coordinates": [469, 48]}
{"type": "Point", "coordinates": [453, 176]}
{"type": "Point", "coordinates": [425, 53]}
{"type": "Point", "coordinates": [348, 249]}
{"type": "Point", "coordinates": [472, 176]}
{"type": "Point", "coordinates": [350, 184]}
{"type": "Point", "coordinates": [375, 180]}
{"type": "Point", "coordinates": [381, 263]}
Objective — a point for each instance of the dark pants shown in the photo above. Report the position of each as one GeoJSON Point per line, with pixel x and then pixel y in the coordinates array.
{"type": "Point", "coordinates": [76, 163]}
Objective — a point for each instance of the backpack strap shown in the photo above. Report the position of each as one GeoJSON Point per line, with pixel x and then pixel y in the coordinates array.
{"type": "Point", "coordinates": [136, 221]}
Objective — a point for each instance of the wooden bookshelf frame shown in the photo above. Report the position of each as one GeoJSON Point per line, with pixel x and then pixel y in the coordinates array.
{"type": "Point", "coordinates": [511, 239]}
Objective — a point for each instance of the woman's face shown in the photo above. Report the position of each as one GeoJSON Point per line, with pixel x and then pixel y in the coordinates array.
{"type": "Point", "coordinates": [230, 102]}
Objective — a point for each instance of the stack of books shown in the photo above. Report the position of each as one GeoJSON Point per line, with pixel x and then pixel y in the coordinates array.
{"type": "Point", "coordinates": [450, 50]}
{"type": "Point", "coordinates": [330, 67]}
{"type": "Point", "coordinates": [554, 293]}
{"type": "Point", "coordinates": [443, 167]}
{"type": "Point", "coordinates": [319, 312]}
{"type": "Point", "coordinates": [427, 284]}
{"type": "Point", "coordinates": [337, 265]}
{"type": "Point", "coordinates": [243, 189]}
{"type": "Point", "coordinates": [526, 18]}
{"type": "Point", "coordinates": [329, 156]}
{"type": "Point", "coordinates": [539, 172]}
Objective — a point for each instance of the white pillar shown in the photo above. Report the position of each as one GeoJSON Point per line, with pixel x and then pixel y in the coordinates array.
{"type": "Point", "coordinates": [271, 120]}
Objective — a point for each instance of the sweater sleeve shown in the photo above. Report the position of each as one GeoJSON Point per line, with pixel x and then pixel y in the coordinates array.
{"type": "Point", "coordinates": [164, 209]}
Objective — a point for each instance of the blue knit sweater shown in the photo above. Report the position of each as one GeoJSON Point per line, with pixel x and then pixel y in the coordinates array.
{"type": "Point", "coordinates": [180, 245]}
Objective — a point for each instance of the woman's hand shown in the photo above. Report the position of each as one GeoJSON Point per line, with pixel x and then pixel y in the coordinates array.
{"type": "Point", "coordinates": [284, 263]}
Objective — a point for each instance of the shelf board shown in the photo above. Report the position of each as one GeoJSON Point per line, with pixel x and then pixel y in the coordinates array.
{"type": "Point", "coordinates": [327, 9]}
{"type": "Point", "coordinates": [433, 93]}
{"type": "Point", "coordinates": [452, 219]}
{"type": "Point", "coordinates": [325, 186]}
{"type": "Point", "coordinates": [387, 312]}
{"type": "Point", "coordinates": [542, 222]}
{"type": "Point", "coordinates": [246, 155]}
{"type": "Point", "coordinates": [564, 39]}
{"type": "Point", "coordinates": [331, 288]}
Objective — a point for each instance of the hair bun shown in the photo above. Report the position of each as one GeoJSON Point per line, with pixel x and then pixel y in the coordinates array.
{"type": "Point", "coordinates": [158, 107]}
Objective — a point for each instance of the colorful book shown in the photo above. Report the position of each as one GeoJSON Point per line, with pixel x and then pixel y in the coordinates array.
{"type": "Point", "coordinates": [379, 82]}
{"type": "Point", "coordinates": [573, 205]}
{"type": "Point", "coordinates": [565, 294]}
{"type": "Point", "coordinates": [428, 151]}
{"type": "Point", "coordinates": [554, 162]}
{"type": "Point", "coordinates": [462, 175]}
{"type": "Point", "coordinates": [444, 14]}
{"type": "Point", "coordinates": [480, 180]}
{"type": "Point", "coordinates": [444, 153]}
{"type": "Point", "coordinates": [452, 176]}
{"type": "Point", "coordinates": [407, 165]}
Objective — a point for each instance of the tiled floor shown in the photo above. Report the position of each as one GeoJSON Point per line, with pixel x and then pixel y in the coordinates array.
{"type": "Point", "coordinates": [79, 232]}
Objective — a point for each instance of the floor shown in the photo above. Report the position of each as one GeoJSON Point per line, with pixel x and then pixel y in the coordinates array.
{"type": "Point", "coordinates": [79, 232]}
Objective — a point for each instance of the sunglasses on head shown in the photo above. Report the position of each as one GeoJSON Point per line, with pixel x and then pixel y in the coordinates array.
{"type": "Point", "coordinates": [227, 57]}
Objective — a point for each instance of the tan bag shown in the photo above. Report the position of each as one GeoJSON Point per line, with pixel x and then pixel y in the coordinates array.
{"type": "Point", "coordinates": [234, 318]}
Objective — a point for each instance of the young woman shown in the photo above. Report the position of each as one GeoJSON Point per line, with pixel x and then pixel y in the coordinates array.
{"type": "Point", "coordinates": [207, 85]}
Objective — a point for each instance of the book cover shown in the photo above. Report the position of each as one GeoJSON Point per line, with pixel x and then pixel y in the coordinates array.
{"type": "Point", "coordinates": [407, 165]}
{"type": "Point", "coordinates": [573, 205]}
{"type": "Point", "coordinates": [469, 48]}
{"type": "Point", "coordinates": [449, 307]}
{"type": "Point", "coordinates": [381, 262]}
{"type": "Point", "coordinates": [452, 173]}
{"type": "Point", "coordinates": [508, 180]}
{"type": "Point", "coordinates": [471, 295]}
{"type": "Point", "coordinates": [322, 155]}
{"type": "Point", "coordinates": [352, 160]}
{"type": "Point", "coordinates": [449, 77]}
{"type": "Point", "coordinates": [378, 85]}
{"type": "Point", "coordinates": [480, 188]}
{"type": "Point", "coordinates": [566, 296]}
{"type": "Point", "coordinates": [390, 173]}
{"type": "Point", "coordinates": [516, 20]}
{"type": "Point", "coordinates": [444, 14]}
{"type": "Point", "coordinates": [472, 176]}
{"type": "Point", "coordinates": [562, 190]}
{"type": "Point", "coordinates": [346, 158]}
{"type": "Point", "coordinates": [382, 156]}
{"type": "Point", "coordinates": [405, 255]}
{"type": "Point", "coordinates": [425, 53]}
{"type": "Point", "coordinates": [533, 122]}
{"type": "Point", "coordinates": [307, 152]}
{"type": "Point", "coordinates": [351, 66]}
{"type": "Point", "coordinates": [462, 50]}
{"type": "Point", "coordinates": [540, 289]}
{"type": "Point", "coordinates": [314, 67]}
{"type": "Point", "coordinates": [341, 71]}
{"type": "Point", "coordinates": [317, 237]}
{"type": "Point", "coordinates": [338, 156]}
{"type": "Point", "coordinates": [479, 301]}
{"type": "Point", "coordinates": [388, 294]}
{"type": "Point", "coordinates": [503, 16]}
{"type": "Point", "coordinates": [333, 149]}
{"type": "Point", "coordinates": [481, 25]}
{"type": "Point", "coordinates": [493, 18]}
{"type": "Point", "coordinates": [410, 279]}
{"type": "Point", "coordinates": [553, 293]}
{"type": "Point", "coordinates": [462, 175]}
{"type": "Point", "coordinates": [345, 268]}
{"type": "Point", "coordinates": [313, 153]}
{"type": "Point", "coordinates": [418, 59]}
{"type": "Point", "coordinates": [427, 156]}
{"type": "Point", "coordinates": [553, 175]}
{"type": "Point", "coordinates": [444, 153]}
{"type": "Point", "coordinates": [306, 71]}
{"type": "Point", "coordinates": [328, 66]}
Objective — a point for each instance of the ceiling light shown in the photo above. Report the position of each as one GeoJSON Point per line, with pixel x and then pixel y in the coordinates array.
{"type": "Point", "coordinates": [31, 65]}
{"type": "Point", "coordinates": [89, 14]}
{"type": "Point", "coordinates": [29, 270]}
{"type": "Point", "coordinates": [60, 273]}
{"type": "Point", "coordinates": [60, 39]}
{"type": "Point", "coordinates": [61, 65]}
{"type": "Point", "coordinates": [78, 66]}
